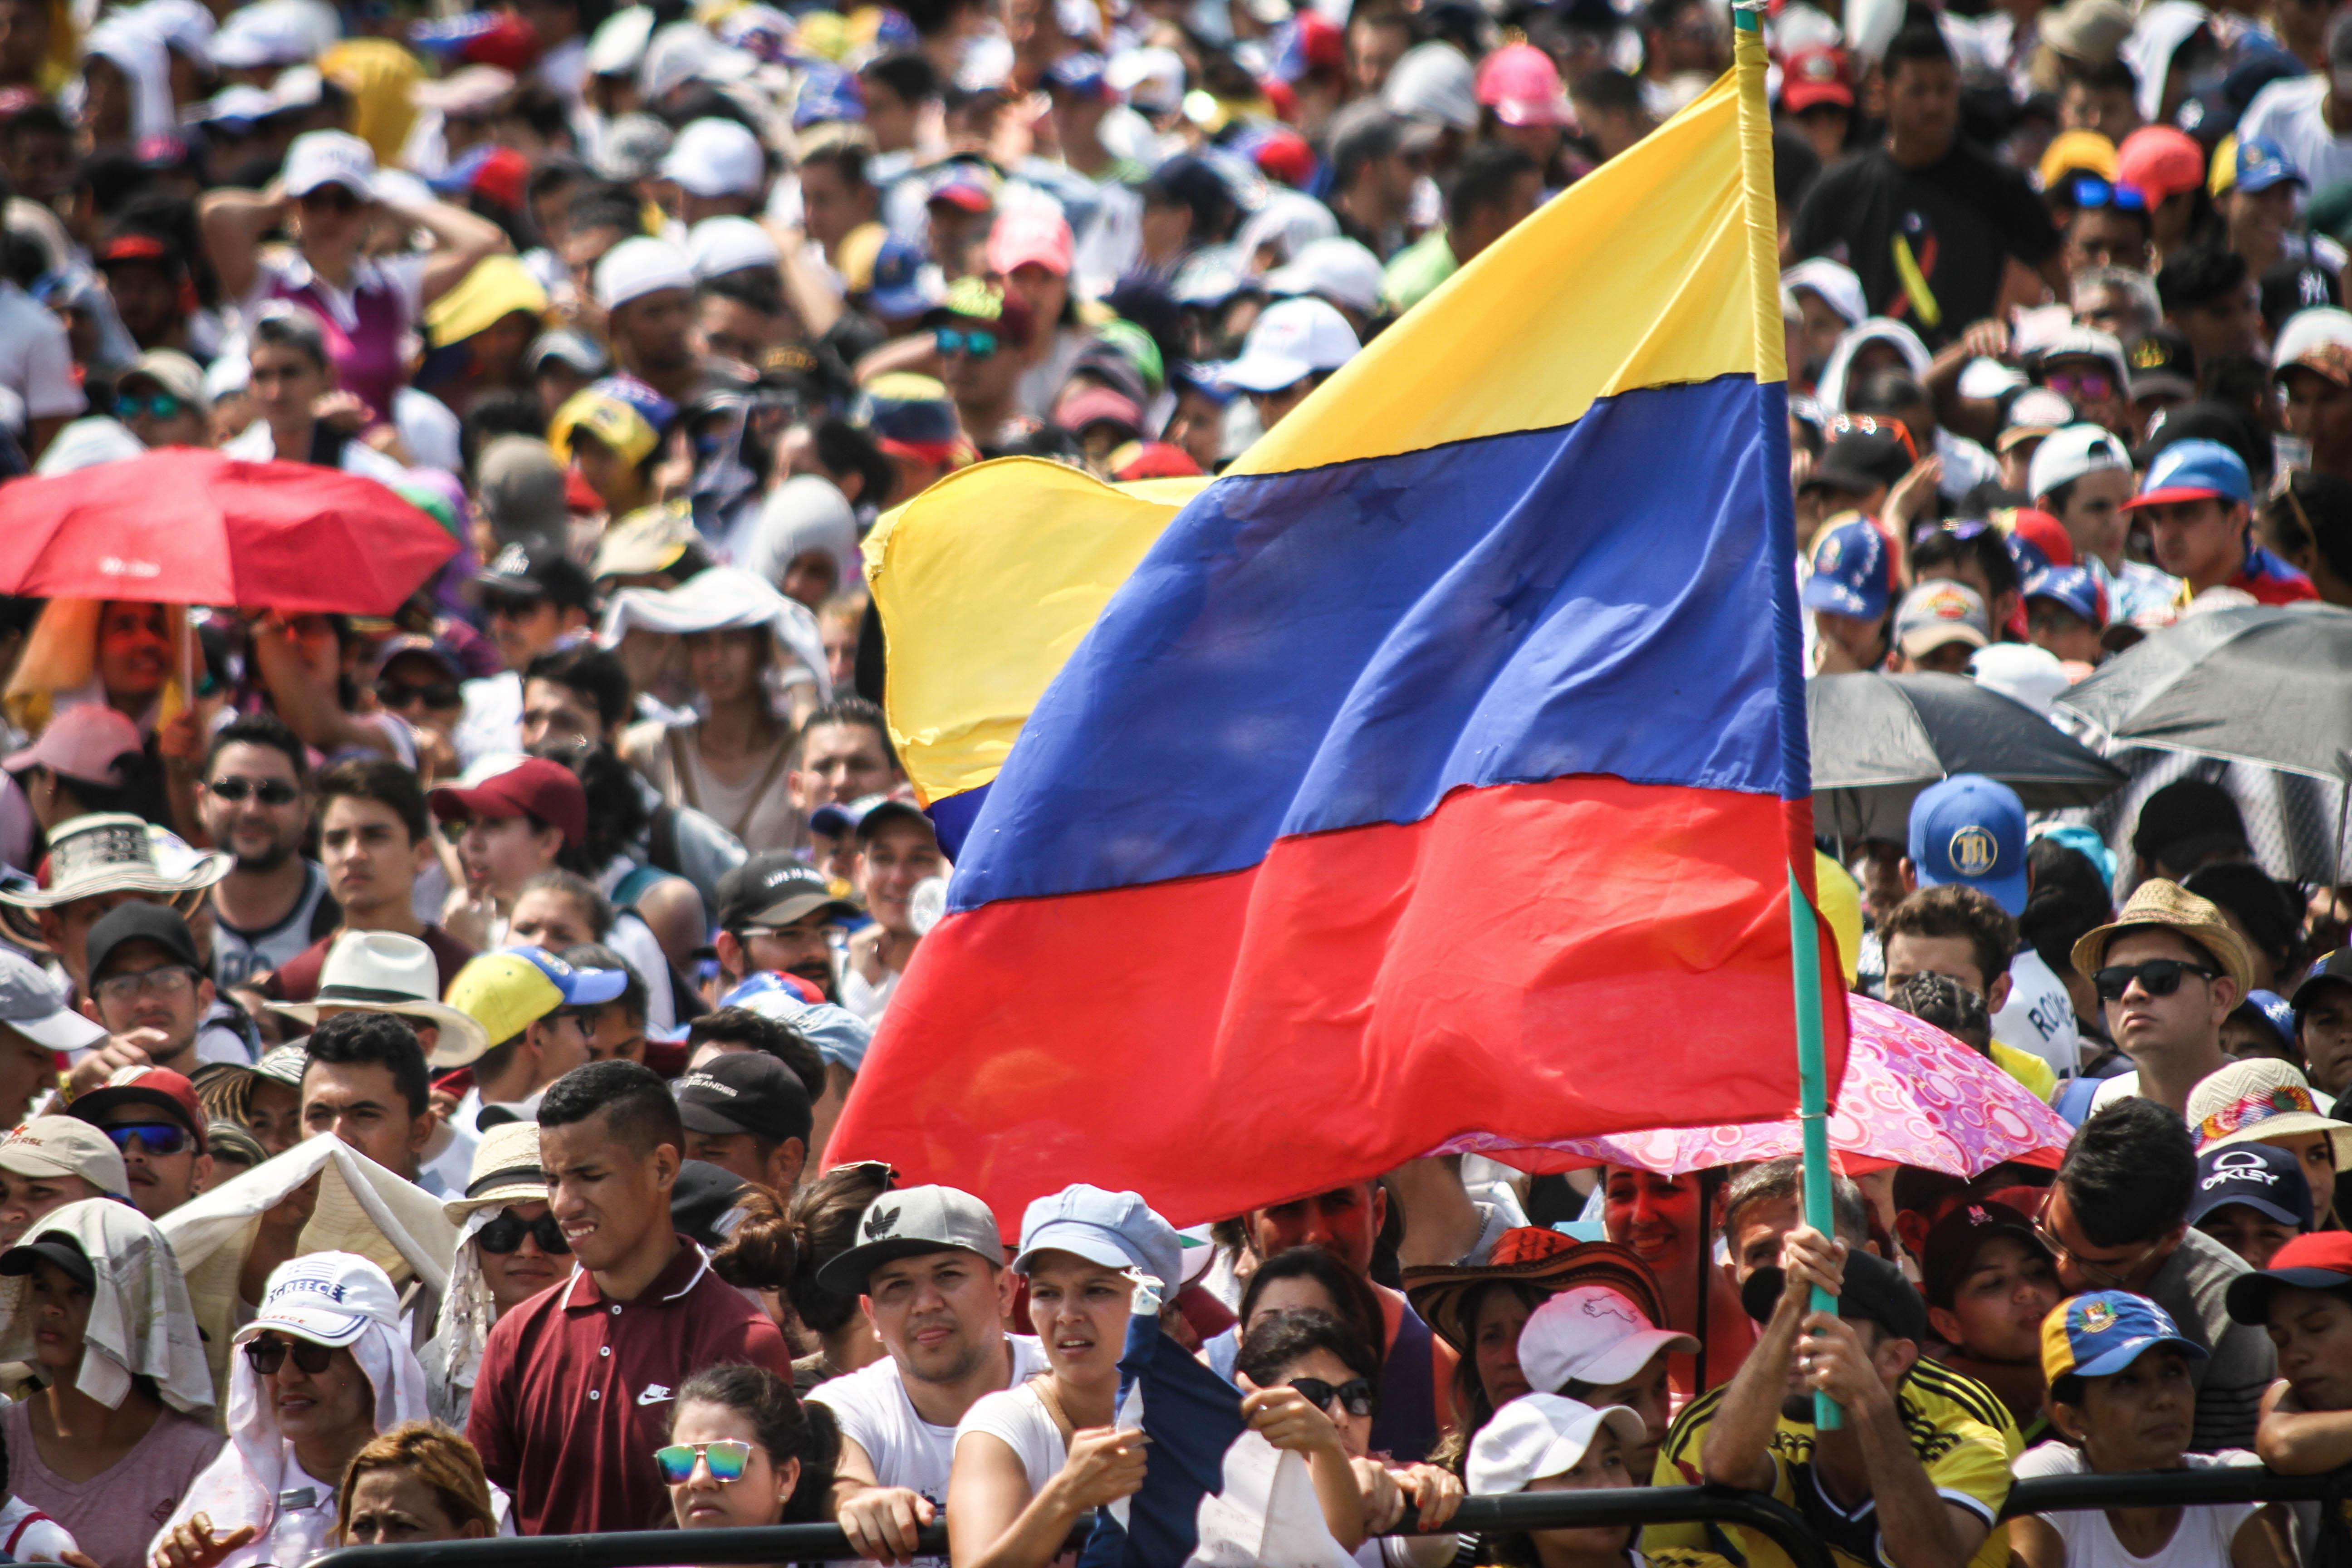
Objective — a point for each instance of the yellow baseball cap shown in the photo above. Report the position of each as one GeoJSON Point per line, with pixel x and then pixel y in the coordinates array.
{"type": "Point", "coordinates": [508, 991]}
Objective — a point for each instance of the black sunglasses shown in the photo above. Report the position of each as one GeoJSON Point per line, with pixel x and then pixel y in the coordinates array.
{"type": "Point", "coordinates": [268, 1354]}
{"type": "Point", "coordinates": [270, 791]}
{"type": "Point", "coordinates": [2158, 977]}
{"type": "Point", "coordinates": [439, 694]}
{"type": "Point", "coordinates": [1355, 1396]}
{"type": "Point", "coordinates": [505, 1234]}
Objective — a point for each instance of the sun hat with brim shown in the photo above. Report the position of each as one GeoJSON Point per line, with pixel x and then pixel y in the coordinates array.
{"type": "Point", "coordinates": [506, 1169]}
{"type": "Point", "coordinates": [2319, 1262]}
{"type": "Point", "coordinates": [385, 972]}
{"type": "Point", "coordinates": [326, 1298]}
{"type": "Point", "coordinates": [226, 1088]}
{"type": "Point", "coordinates": [110, 852]}
{"type": "Point", "coordinates": [2257, 1099]}
{"type": "Point", "coordinates": [1539, 1435]}
{"type": "Point", "coordinates": [49, 1247]}
{"type": "Point", "coordinates": [1541, 1259]}
{"type": "Point", "coordinates": [2160, 904]}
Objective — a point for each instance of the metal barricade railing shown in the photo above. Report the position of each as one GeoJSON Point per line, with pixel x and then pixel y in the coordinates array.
{"type": "Point", "coordinates": [1519, 1511]}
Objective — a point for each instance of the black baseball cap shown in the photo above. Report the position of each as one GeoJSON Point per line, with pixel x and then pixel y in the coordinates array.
{"type": "Point", "coordinates": [1949, 1248]}
{"type": "Point", "coordinates": [158, 923]}
{"type": "Point", "coordinates": [50, 1247]}
{"type": "Point", "coordinates": [775, 889]}
{"type": "Point", "coordinates": [2334, 969]}
{"type": "Point", "coordinates": [1875, 1292]}
{"type": "Point", "coordinates": [538, 571]}
{"type": "Point", "coordinates": [702, 1201]}
{"type": "Point", "coordinates": [1859, 462]}
{"type": "Point", "coordinates": [745, 1091]}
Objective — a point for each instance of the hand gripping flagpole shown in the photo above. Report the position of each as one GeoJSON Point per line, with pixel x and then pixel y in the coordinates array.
{"type": "Point", "coordinates": [1804, 939]}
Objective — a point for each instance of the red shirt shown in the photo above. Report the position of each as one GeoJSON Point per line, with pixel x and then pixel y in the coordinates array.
{"type": "Point", "coordinates": [296, 979]}
{"type": "Point", "coordinates": [575, 1392]}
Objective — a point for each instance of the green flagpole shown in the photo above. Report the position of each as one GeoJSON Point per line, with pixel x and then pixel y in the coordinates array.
{"type": "Point", "coordinates": [1804, 938]}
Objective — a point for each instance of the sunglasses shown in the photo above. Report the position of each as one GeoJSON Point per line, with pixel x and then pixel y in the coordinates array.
{"type": "Point", "coordinates": [2158, 977]}
{"type": "Point", "coordinates": [270, 791]}
{"type": "Point", "coordinates": [2093, 192]}
{"type": "Point", "coordinates": [156, 1137]}
{"type": "Point", "coordinates": [439, 694]}
{"type": "Point", "coordinates": [728, 1457]}
{"type": "Point", "coordinates": [2076, 386]}
{"type": "Point", "coordinates": [505, 1234]}
{"type": "Point", "coordinates": [1871, 424]}
{"type": "Point", "coordinates": [1354, 1397]}
{"type": "Point", "coordinates": [162, 406]}
{"type": "Point", "coordinates": [494, 605]}
{"type": "Point", "coordinates": [952, 341]}
{"type": "Point", "coordinates": [268, 1354]}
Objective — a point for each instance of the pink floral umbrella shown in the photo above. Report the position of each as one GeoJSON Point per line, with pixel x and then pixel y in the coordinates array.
{"type": "Point", "coordinates": [1912, 1095]}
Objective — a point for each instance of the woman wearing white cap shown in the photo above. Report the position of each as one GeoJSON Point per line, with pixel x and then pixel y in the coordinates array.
{"type": "Point", "coordinates": [1597, 1344]}
{"type": "Point", "coordinates": [1542, 1443]}
{"type": "Point", "coordinates": [322, 1368]}
{"type": "Point", "coordinates": [121, 1427]}
{"type": "Point", "coordinates": [509, 1249]}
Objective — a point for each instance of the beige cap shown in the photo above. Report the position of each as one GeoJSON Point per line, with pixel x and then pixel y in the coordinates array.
{"type": "Point", "coordinates": [65, 1146]}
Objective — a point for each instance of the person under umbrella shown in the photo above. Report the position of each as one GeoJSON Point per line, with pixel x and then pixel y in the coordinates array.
{"type": "Point", "coordinates": [94, 1300]}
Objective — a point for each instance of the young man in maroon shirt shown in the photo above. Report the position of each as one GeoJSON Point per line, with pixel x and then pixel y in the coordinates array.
{"type": "Point", "coordinates": [576, 1384]}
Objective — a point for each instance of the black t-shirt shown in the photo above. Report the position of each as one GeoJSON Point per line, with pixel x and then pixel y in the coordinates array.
{"type": "Point", "coordinates": [1957, 220]}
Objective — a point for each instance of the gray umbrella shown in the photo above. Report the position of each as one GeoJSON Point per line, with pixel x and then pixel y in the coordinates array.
{"type": "Point", "coordinates": [1879, 740]}
{"type": "Point", "coordinates": [2266, 684]}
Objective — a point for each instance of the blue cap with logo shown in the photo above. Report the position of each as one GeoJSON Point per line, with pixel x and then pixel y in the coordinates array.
{"type": "Point", "coordinates": [2194, 470]}
{"type": "Point", "coordinates": [1082, 75]}
{"type": "Point", "coordinates": [2269, 1010]}
{"type": "Point", "coordinates": [2075, 588]}
{"type": "Point", "coordinates": [1851, 575]}
{"type": "Point", "coordinates": [2101, 1333]}
{"type": "Point", "coordinates": [2266, 1179]}
{"type": "Point", "coordinates": [1972, 830]}
{"type": "Point", "coordinates": [1117, 1230]}
{"type": "Point", "coordinates": [2261, 164]}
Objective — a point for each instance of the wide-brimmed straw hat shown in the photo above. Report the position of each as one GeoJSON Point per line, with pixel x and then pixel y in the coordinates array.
{"type": "Point", "coordinates": [2257, 1099]}
{"type": "Point", "coordinates": [1545, 1261]}
{"type": "Point", "coordinates": [384, 971]}
{"type": "Point", "coordinates": [107, 852]}
{"type": "Point", "coordinates": [506, 1171]}
{"type": "Point", "coordinates": [2157, 902]}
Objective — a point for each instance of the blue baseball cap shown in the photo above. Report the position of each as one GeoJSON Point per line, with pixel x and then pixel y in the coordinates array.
{"type": "Point", "coordinates": [2075, 587]}
{"type": "Point", "coordinates": [2261, 164]}
{"type": "Point", "coordinates": [898, 289]}
{"type": "Point", "coordinates": [1117, 1230]}
{"type": "Point", "coordinates": [2275, 1013]}
{"type": "Point", "coordinates": [1082, 75]}
{"type": "Point", "coordinates": [2268, 1180]}
{"type": "Point", "coordinates": [838, 1035]}
{"type": "Point", "coordinates": [1850, 573]}
{"type": "Point", "coordinates": [2101, 1333]}
{"type": "Point", "coordinates": [580, 987]}
{"type": "Point", "coordinates": [1972, 830]}
{"type": "Point", "coordinates": [2194, 470]}
{"type": "Point", "coordinates": [827, 93]}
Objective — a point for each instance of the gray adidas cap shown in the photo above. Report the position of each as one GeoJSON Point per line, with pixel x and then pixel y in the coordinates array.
{"type": "Point", "coordinates": [908, 1223]}
{"type": "Point", "coordinates": [31, 1006]}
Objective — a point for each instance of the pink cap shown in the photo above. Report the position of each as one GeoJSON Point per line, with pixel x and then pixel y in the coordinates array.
{"type": "Point", "coordinates": [90, 742]}
{"type": "Point", "coordinates": [1023, 236]}
{"type": "Point", "coordinates": [2159, 163]}
{"type": "Point", "coordinates": [1521, 85]}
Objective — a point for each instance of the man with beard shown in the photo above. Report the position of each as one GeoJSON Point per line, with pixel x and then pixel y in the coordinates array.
{"type": "Point", "coordinates": [646, 288]}
{"type": "Point", "coordinates": [255, 803]}
{"type": "Point", "coordinates": [776, 912]}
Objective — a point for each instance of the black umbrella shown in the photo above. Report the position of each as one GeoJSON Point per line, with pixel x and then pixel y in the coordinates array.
{"type": "Point", "coordinates": [2265, 684]}
{"type": "Point", "coordinates": [1879, 740]}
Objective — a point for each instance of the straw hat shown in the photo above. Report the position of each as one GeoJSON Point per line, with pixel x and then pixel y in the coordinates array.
{"type": "Point", "coordinates": [384, 971]}
{"type": "Point", "coordinates": [1544, 1260]}
{"type": "Point", "coordinates": [506, 1171]}
{"type": "Point", "coordinates": [2158, 902]}
{"type": "Point", "coordinates": [2257, 1099]}
{"type": "Point", "coordinates": [106, 852]}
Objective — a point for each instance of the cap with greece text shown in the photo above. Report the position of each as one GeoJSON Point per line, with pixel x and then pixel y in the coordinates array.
{"type": "Point", "coordinates": [1117, 1230]}
{"type": "Point", "coordinates": [326, 1298]}
{"type": "Point", "coordinates": [2194, 470]}
{"type": "Point", "coordinates": [1851, 573]}
{"type": "Point", "coordinates": [160, 1088]}
{"type": "Point", "coordinates": [1591, 1334]}
{"type": "Point", "coordinates": [1972, 830]}
{"type": "Point", "coordinates": [2264, 1178]}
{"type": "Point", "coordinates": [66, 1146]}
{"type": "Point", "coordinates": [1938, 612]}
{"type": "Point", "coordinates": [2319, 1262]}
{"type": "Point", "coordinates": [30, 1004]}
{"type": "Point", "coordinates": [775, 890]}
{"type": "Point", "coordinates": [745, 1091]}
{"type": "Point", "coordinates": [1293, 340]}
{"type": "Point", "coordinates": [2100, 1333]}
{"type": "Point", "coordinates": [908, 1223]}
{"type": "Point", "coordinates": [1874, 1292]}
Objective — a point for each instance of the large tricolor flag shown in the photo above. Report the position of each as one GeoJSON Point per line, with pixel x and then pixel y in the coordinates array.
{"type": "Point", "coordinates": [1439, 769]}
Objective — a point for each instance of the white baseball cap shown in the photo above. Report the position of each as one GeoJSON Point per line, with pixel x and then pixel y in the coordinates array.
{"type": "Point", "coordinates": [716, 158]}
{"type": "Point", "coordinates": [329, 158]}
{"type": "Point", "coordinates": [1539, 1435]}
{"type": "Point", "coordinates": [2321, 326]}
{"type": "Point", "coordinates": [638, 266]}
{"type": "Point", "coordinates": [1336, 268]}
{"type": "Point", "coordinates": [1591, 1334]}
{"type": "Point", "coordinates": [718, 246]}
{"type": "Point", "coordinates": [2071, 451]}
{"type": "Point", "coordinates": [617, 48]}
{"type": "Point", "coordinates": [326, 1298]}
{"type": "Point", "coordinates": [1292, 341]}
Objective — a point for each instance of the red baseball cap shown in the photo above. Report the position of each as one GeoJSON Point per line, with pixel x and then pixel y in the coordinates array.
{"type": "Point", "coordinates": [501, 175]}
{"type": "Point", "coordinates": [1814, 77]}
{"type": "Point", "coordinates": [160, 1086]}
{"type": "Point", "coordinates": [2158, 162]}
{"type": "Point", "coordinates": [532, 787]}
{"type": "Point", "coordinates": [2319, 1262]}
{"type": "Point", "coordinates": [2045, 533]}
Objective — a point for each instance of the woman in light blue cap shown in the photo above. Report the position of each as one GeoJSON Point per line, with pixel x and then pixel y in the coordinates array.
{"type": "Point", "coordinates": [1034, 1459]}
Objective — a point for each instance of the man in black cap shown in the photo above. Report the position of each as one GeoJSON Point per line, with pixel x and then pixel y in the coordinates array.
{"type": "Point", "coordinates": [747, 1112]}
{"type": "Point", "coordinates": [1920, 1470]}
{"type": "Point", "coordinates": [1855, 473]}
{"type": "Point", "coordinates": [148, 986]}
{"type": "Point", "coordinates": [775, 912]}
{"type": "Point", "coordinates": [2187, 823]}
{"type": "Point", "coordinates": [534, 596]}
{"type": "Point", "coordinates": [2323, 1022]}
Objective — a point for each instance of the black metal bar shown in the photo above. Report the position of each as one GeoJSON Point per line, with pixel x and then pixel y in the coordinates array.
{"type": "Point", "coordinates": [2167, 1488]}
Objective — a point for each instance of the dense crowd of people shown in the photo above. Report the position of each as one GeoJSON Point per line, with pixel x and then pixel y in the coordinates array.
{"type": "Point", "coordinates": [425, 1033]}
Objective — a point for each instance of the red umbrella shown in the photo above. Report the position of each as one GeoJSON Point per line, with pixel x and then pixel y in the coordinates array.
{"type": "Point", "coordinates": [185, 526]}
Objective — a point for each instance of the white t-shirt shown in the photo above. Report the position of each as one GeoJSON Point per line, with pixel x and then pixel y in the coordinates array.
{"type": "Point", "coordinates": [2288, 112]}
{"type": "Point", "coordinates": [35, 361]}
{"type": "Point", "coordinates": [1019, 1418]}
{"type": "Point", "coordinates": [2202, 1540]}
{"type": "Point", "coordinates": [2039, 1016]}
{"type": "Point", "coordinates": [871, 1406]}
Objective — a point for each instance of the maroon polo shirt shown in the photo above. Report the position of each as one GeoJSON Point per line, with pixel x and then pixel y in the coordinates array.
{"type": "Point", "coordinates": [575, 1392]}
